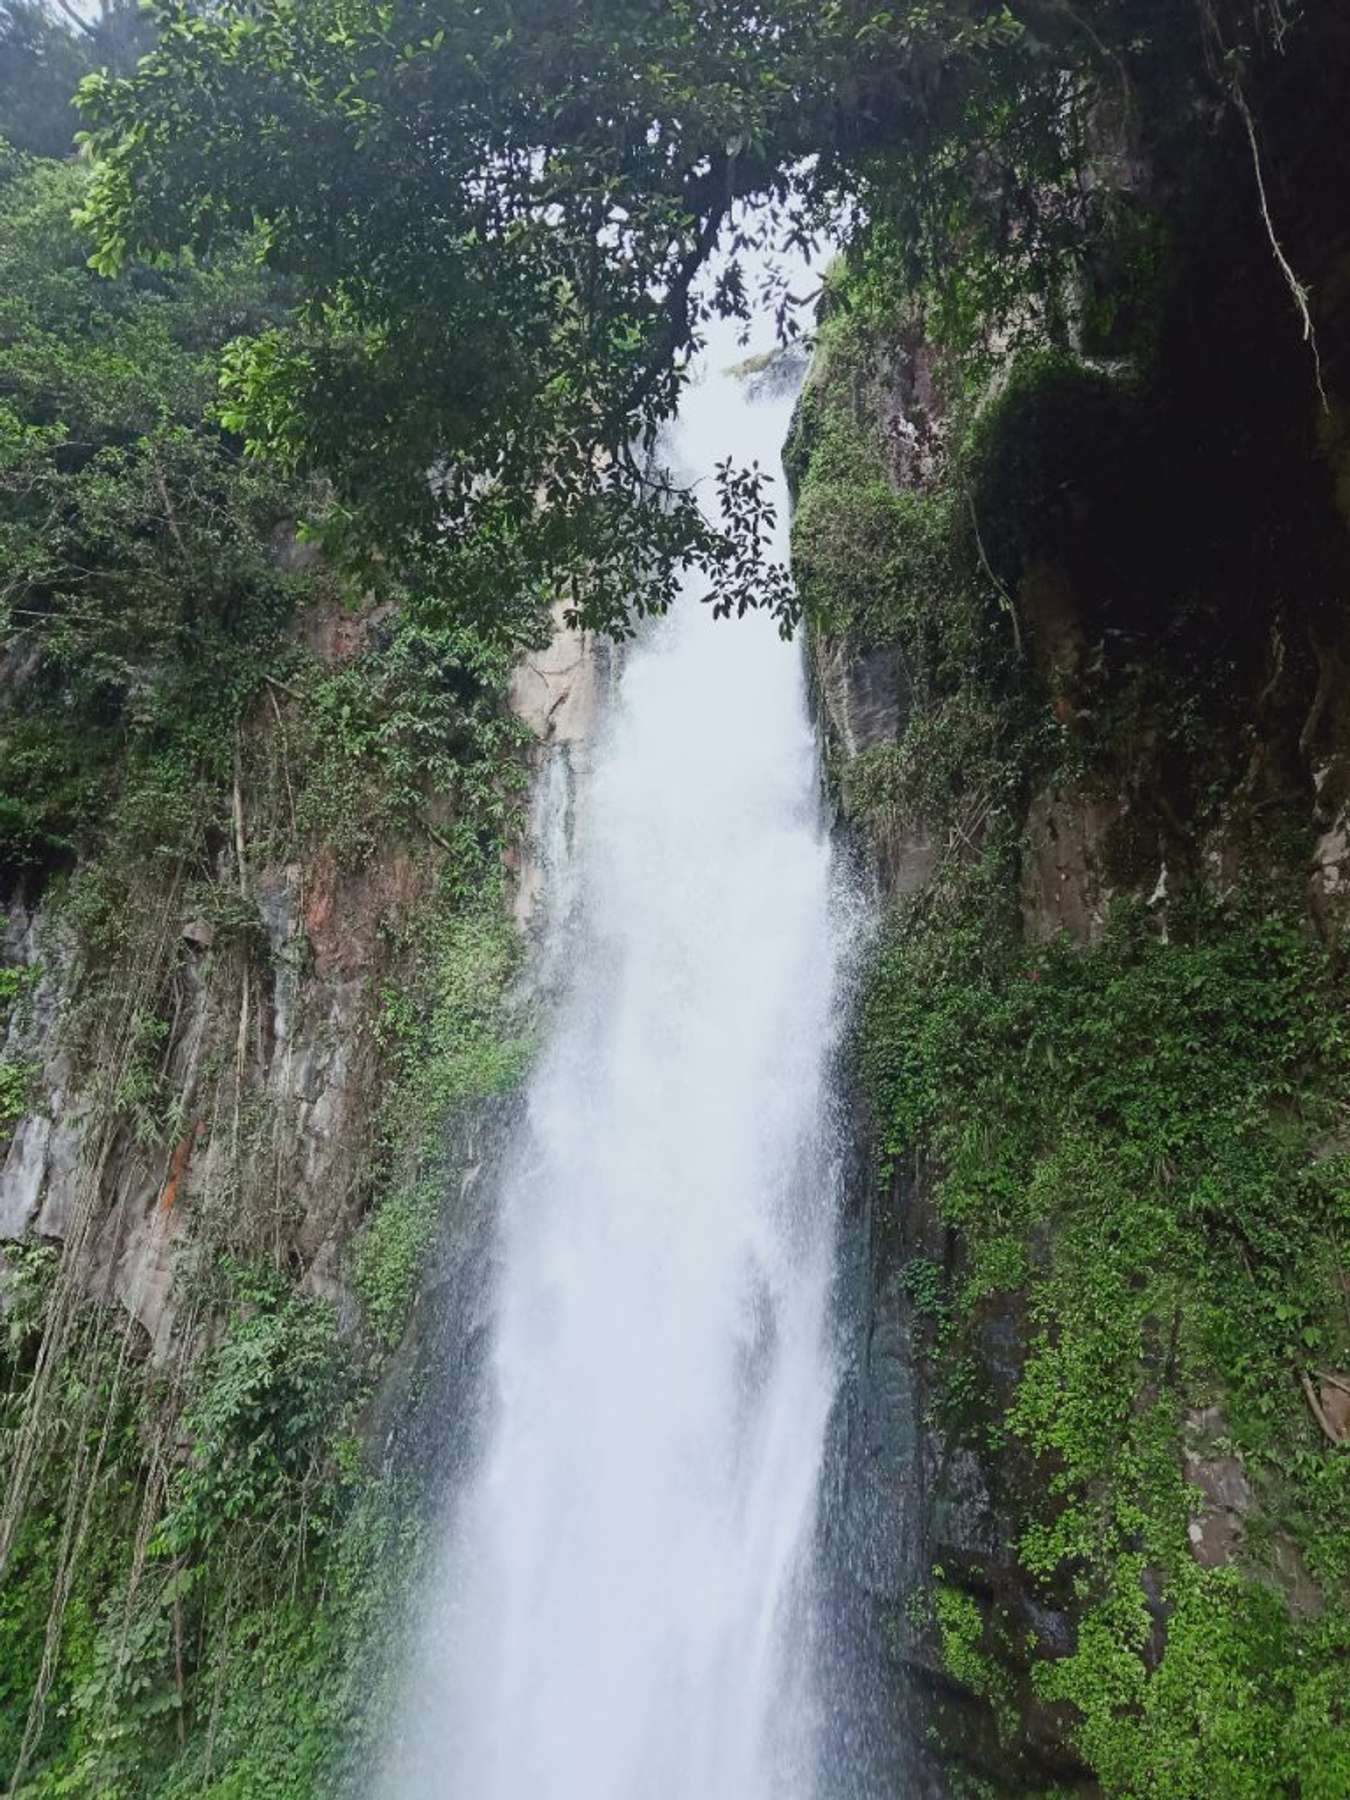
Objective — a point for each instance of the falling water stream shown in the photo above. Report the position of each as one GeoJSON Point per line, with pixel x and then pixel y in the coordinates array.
{"type": "Point", "coordinates": [627, 1609]}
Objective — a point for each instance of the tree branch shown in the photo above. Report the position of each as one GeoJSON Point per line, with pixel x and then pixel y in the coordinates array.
{"type": "Point", "coordinates": [75, 19]}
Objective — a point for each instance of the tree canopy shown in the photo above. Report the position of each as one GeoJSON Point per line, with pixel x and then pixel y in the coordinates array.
{"type": "Point", "coordinates": [501, 218]}
{"type": "Point", "coordinates": [136, 561]}
{"type": "Point", "coordinates": [44, 54]}
{"type": "Point", "coordinates": [508, 220]}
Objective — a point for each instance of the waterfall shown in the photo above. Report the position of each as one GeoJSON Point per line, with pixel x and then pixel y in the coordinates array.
{"type": "Point", "coordinates": [626, 1607]}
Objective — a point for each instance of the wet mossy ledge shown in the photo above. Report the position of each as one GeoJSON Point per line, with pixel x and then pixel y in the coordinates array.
{"type": "Point", "coordinates": [1074, 630]}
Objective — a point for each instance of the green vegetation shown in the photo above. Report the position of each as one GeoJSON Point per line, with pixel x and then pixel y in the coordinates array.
{"type": "Point", "coordinates": [341, 247]}
{"type": "Point", "coordinates": [455, 1047]}
{"type": "Point", "coordinates": [202, 1569]}
{"type": "Point", "coordinates": [878, 566]}
{"type": "Point", "coordinates": [237, 1567]}
{"type": "Point", "coordinates": [225, 1613]}
{"type": "Point", "coordinates": [141, 590]}
{"type": "Point", "coordinates": [148, 592]}
{"type": "Point", "coordinates": [961, 1631]}
{"type": "Point", "coordinates": [16, 1075]}
{"type": "Point", "coordinates": [1161, 1118]}
{"type": "Point", "coordinates": [498, 218]}
{"type": "Point", "coordinates": [1132, 1147]}
{"type": "Point", "coordinates": [1143, 1140]}
{"type": "Point", "coordinates": [1243, 1702]}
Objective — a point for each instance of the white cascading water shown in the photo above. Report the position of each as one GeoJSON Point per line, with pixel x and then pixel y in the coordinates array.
{"type": "Point", "coordinates": [627, 1609]}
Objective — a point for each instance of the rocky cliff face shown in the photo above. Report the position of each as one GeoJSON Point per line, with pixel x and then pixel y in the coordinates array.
{"type": "Point", "coordinates": [1077, 628]}
{"type": "Point", "coordinates": [302, 1085]}
{"type": "Point", "coordinates": [267, 1048]}
{"type": "Point", "coordinates": [250, 1056]}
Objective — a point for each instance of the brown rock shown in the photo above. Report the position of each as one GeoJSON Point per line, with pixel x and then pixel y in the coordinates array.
{"type": "Point", "coordinates": [1065, 887]}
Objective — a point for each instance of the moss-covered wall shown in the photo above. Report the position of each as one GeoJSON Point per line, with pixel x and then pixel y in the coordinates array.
{"type": "Point", "coordinates": [1076, 599]}
{"type": "Point", "coordinates": [255, 960]}
{"type": "Point", "coordinates": [255, 1065]}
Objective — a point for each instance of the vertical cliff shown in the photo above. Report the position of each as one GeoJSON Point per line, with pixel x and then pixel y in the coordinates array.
{"type": "Point", "coordinates": [258, 1009]}
{"type": "Point", "coordinates": [251, 1063]}
{"type": "Point", "coordinates": [1076, 589]}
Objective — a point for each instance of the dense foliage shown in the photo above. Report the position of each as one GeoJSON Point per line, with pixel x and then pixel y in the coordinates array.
{"type": "Point", "coordinates": [200, 1565]}
{"type": "Point", "coordinates": [140, 593]}
{"type": "Point", "coordinates": [1128, 1148]}
{"type": "Point", "coordinates": [422, 281]}
{"type": "Point", "coordinates": [1143, 1139]}
{"type": "Point", "coordinates": [508, 223]}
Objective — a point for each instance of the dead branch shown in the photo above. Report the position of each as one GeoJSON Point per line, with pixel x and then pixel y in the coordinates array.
{"type": "Point", "coordinates": [1328, 1429]}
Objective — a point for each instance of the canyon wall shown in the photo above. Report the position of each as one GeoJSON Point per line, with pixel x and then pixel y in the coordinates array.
{"type": "Point", "coordinates": [1077, 602]}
